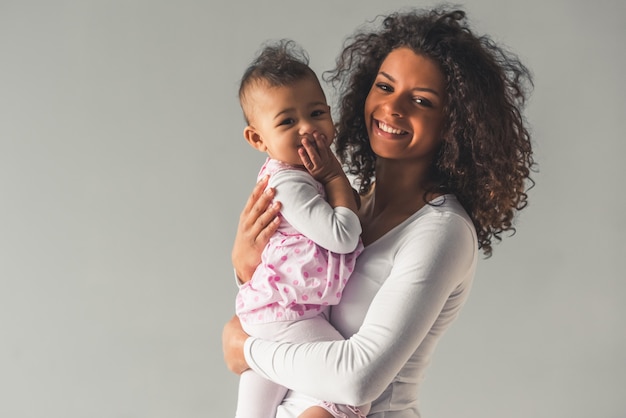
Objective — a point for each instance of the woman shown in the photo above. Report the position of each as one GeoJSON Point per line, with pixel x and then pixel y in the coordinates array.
{"type": "Point", "coordinates": [431, 125]}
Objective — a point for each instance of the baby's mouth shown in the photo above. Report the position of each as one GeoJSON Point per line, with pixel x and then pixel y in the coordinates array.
{"type": "Point", "coordinates": [389, 129]}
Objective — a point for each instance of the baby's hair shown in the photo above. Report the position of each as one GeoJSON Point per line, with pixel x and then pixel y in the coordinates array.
{"type": "Point", "coordinates": [278, 64]}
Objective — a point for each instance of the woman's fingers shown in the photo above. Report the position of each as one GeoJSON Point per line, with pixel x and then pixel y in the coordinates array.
{"type": "Point", "coordinates": [266, 224]}
{"type": "Point", "coordinates": [259, 211]}
{"type": "Point", "coordinates": [255, 202]}
{"type": "Point", "coordinates": [257, 222]}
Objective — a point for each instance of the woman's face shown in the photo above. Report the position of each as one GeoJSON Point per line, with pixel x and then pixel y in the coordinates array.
{"type": "Point", "coordinates": [404, 108]}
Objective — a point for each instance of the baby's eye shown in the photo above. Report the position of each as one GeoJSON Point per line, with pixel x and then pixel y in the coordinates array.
{"type": "Point", "coordinates": [318, 112]}
{"type": "Point", "coordinates": [287, 121]}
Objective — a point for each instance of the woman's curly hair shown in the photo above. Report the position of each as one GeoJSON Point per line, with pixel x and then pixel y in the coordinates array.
{"type": "Point", "coordinates": [485, 157]}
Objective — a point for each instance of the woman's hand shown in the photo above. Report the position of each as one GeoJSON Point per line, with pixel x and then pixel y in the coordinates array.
{"type": "Point", "coordinates": [257, 223]}
{"type": "Point", "coordinates": [233, 339]}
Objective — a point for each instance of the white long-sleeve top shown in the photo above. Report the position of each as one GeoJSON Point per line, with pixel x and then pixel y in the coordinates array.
{"type": "Point", "coordinates": [407, 288]}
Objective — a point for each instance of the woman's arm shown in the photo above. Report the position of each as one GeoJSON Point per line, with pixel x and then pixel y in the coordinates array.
{"type": "Point", "coordinates": [257, 223]}
{"type": "Point", "coordinates": [425, 272]}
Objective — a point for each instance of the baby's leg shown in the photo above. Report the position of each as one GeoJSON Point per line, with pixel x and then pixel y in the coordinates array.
{"type": "Point", "coordinates": [258, 397]}
{"type": "Point", "coordinates": [316, 412]}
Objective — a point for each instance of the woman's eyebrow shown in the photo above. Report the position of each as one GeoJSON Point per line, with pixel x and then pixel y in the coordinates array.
{"type": "Point", "coordinates": [384, 74]}
{"type": "Point", "coordinates": [428, 89]}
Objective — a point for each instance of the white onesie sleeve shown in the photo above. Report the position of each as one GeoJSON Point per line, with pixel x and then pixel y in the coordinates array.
{"type": "Point", "coordinates": [336, 229]}
{"type": "Point", "coordinates": [430, 259]}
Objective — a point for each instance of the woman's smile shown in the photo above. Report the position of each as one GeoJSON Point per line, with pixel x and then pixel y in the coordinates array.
{"type": "Point", "coordinates": [389, 129]}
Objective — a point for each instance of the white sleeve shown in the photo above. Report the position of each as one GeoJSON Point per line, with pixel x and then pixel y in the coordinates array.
{"type": "Point", "coordinates": [426, 270]}
{"type": "Point", "coordinates": [335, 229]}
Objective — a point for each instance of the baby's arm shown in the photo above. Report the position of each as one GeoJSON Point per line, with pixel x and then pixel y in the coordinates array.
{"type": "Point", "coordinates": [334, 228]}
{"type": "Point", "coordinates": [323, 165]}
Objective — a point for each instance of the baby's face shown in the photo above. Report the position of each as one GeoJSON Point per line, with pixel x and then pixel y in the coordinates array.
{"type": "Point", "coordinates": [283, 115]}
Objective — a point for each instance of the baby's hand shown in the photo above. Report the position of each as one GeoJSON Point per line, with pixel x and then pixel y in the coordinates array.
{"type": "Point", "coordinates": [319, 159]}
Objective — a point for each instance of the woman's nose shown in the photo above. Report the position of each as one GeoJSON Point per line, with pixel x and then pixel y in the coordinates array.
{"type": "Point", "coordinates": [393, 106]}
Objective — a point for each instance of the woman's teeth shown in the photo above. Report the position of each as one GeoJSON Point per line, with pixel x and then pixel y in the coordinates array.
{"type": "Point", "coordinates": [390, 130]}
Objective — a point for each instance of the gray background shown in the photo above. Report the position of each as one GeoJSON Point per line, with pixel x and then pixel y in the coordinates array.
{"type": "Point", "coordinates": [123, 171]}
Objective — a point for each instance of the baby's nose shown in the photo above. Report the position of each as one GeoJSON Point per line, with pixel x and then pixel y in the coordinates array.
{"type": "Point", "coordinates": [308, 134]}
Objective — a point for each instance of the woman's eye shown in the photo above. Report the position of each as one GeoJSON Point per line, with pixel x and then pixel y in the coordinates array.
{"type": "Point", "coordinates": [384, 87]}
{"type": "Point", "coordinates": [422, 101]}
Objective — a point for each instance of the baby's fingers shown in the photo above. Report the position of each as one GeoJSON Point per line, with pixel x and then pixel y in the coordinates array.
{"type": "Point", "coordinates": [321, 143]}
{"type": "Point", "coordinates": [309, 154]}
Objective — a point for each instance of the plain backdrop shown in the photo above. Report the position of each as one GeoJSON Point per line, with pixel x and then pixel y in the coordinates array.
{"type": "Point", "coordinates": [123, 171]}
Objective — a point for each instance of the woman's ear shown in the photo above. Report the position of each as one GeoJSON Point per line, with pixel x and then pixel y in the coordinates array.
{"type": "Point", "coordinates": [254, 139]}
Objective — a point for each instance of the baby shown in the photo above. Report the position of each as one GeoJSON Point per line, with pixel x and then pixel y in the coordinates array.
{"type": "Point", "coordinates": [307, 262]}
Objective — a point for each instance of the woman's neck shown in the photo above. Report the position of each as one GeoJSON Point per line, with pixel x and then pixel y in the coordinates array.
{"type": "Point", "coordinates": [401, 186]}
{"type": "Point", "coordinates": [398, 192]}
